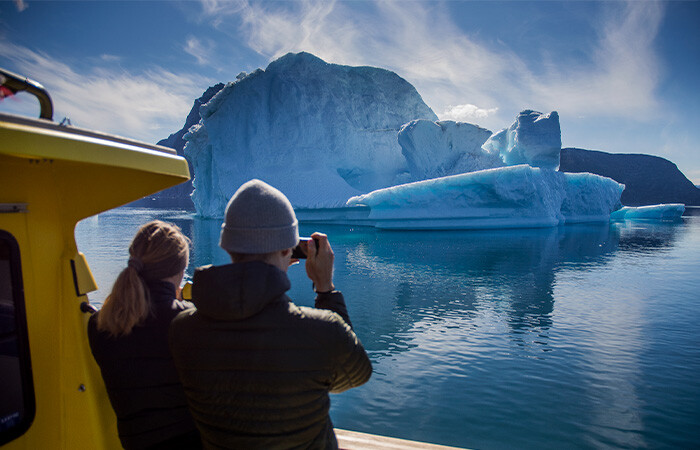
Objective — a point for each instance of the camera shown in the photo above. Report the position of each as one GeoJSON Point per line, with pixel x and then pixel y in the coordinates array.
{"type": "Point", "coordinates": [299, 251]}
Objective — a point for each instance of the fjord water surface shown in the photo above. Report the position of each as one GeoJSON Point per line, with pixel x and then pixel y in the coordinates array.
{"type": "Point", "coordinates": [581, 336]}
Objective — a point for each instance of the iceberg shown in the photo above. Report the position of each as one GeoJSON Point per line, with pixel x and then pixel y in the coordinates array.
{"type": "Point", "coordinates": [319, 132]}
{"type": "Point", "coordinates": [509, 197]}
{"type": "Point", "coordinates": [441, 148]}
{"type": "Point", "coordinates": [534, 139]}
{"type": "Point", "coordinates": [668, 212]}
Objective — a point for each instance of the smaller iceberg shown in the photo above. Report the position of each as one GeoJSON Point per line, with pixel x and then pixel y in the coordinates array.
{"type": "Point", "coordinates": [534, 139]}
{"type": "Point", "coordinates": [668, 212]}
{"type": "Point", "coordinates": [508, 197]}
{"type": "Point", "coordinates": [510, 180]}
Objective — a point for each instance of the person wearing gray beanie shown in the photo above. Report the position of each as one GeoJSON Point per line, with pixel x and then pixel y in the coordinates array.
{"type": "Point", "coordinates": [259, 219]}
{"type": "Point", "coordinates": [248, 357]}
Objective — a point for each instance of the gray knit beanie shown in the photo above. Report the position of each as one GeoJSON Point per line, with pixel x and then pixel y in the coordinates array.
{"type": "Point", "coordinates": [259, 219]}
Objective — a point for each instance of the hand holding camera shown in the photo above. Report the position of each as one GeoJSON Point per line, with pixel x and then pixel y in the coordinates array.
{"type": "Point", "coordinates": [319, 261]}
{"type": "Point", "coordinates": [299, 252]}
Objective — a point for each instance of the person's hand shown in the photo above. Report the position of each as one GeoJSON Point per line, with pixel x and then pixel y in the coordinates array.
{"type": "Point", "coordinates": [319, 262]}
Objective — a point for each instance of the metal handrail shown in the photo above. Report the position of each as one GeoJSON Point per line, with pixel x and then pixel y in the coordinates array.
{"type": "Point", "coordinates": [16, 83]}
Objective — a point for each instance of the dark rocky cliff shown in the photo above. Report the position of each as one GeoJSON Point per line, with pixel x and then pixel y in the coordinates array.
{"type": "Point", "coordinates": [648, 180]}
{"type": "Point", "coordinates": [179, 196]}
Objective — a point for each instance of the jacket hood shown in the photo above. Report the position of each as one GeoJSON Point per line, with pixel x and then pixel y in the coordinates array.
{"type": "Point", "coordinates": [237, 291]}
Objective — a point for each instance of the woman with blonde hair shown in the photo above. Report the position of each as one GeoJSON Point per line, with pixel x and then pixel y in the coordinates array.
{"type": "Point", "coordinates": [129, 340]}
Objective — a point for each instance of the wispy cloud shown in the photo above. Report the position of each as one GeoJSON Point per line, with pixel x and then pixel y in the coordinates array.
{"type": "Point", "coordinates": [200, 50]}
{"type": "Point", "coordinates": [625, 72]}
{"type": "Point", "coordinates": [147, 106]}
{"type": "Point", "coordinates": [110, 58]}
{"type": "Point", "coordinates": [217, 11]}
{"type": "Point", "coordinates": [213, 8]}
{"type": "Point", "coordinates": [417, 40]}
{"type": "Point", "coordinates": [21, 5]}
{"type": "Point", "coordinates": [421, 42]}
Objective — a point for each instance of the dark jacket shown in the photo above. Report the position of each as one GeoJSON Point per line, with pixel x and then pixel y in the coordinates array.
{"type": "Point", "coordinates": [141, 379]}
{"type": "Point", "coordinates": [256, 368]}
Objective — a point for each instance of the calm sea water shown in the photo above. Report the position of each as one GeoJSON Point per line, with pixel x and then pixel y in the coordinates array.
{"type": "Point", "coordinates": [583, 336]}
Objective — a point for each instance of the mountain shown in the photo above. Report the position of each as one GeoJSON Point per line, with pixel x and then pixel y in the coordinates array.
{"type": "Point", "coordinates": [648, 180]}
{"type": "Point", "coordinates": [179, 196]}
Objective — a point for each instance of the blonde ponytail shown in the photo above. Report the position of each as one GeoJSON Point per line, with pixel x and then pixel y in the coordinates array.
{"type": "Point", "coordinates": [159, 250]}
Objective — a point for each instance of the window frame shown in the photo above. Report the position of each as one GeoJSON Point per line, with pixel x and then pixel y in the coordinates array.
{"type": "Point", "coordinates": [24, 356]}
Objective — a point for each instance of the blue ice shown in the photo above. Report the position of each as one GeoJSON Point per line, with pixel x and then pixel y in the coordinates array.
{"type": "Point", "coordinates": [507, 197]}
{"type": "Point", "coordinates": [665, 213]}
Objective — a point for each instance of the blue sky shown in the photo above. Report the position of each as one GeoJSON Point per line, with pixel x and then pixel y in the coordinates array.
{"type": "Point", "coordinates": [622, 75]}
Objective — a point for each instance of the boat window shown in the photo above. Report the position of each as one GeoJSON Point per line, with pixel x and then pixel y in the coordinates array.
{"type": "Point", "coordinates": [16, 389]}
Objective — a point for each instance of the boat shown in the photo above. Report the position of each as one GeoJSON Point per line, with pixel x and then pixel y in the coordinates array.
{"type": "Point", "coordinates": [52, 176]}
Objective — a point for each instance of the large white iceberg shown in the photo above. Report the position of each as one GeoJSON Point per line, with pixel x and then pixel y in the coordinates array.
{"type": "Point", "coordinates": [319, 132]}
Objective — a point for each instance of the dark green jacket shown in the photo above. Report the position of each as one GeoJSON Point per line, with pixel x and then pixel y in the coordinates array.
{"type": "Point", "coordinates": [256, 368]}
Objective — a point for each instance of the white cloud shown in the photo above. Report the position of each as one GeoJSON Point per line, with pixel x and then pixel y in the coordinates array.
{"type": "Point", "coordinates": [147, 106]}
{"type": "Point", "coordinates": [466, 113]}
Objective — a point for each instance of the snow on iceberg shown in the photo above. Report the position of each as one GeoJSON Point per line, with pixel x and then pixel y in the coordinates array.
{"type": "Point", "coordinates": [319, 132]}
{"type": "Point", "coordinates": [667, 212]}
{"type": "Point", "coordinates": [534, 139]}
{"type": "Point", "coordinates": [509, 197]}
